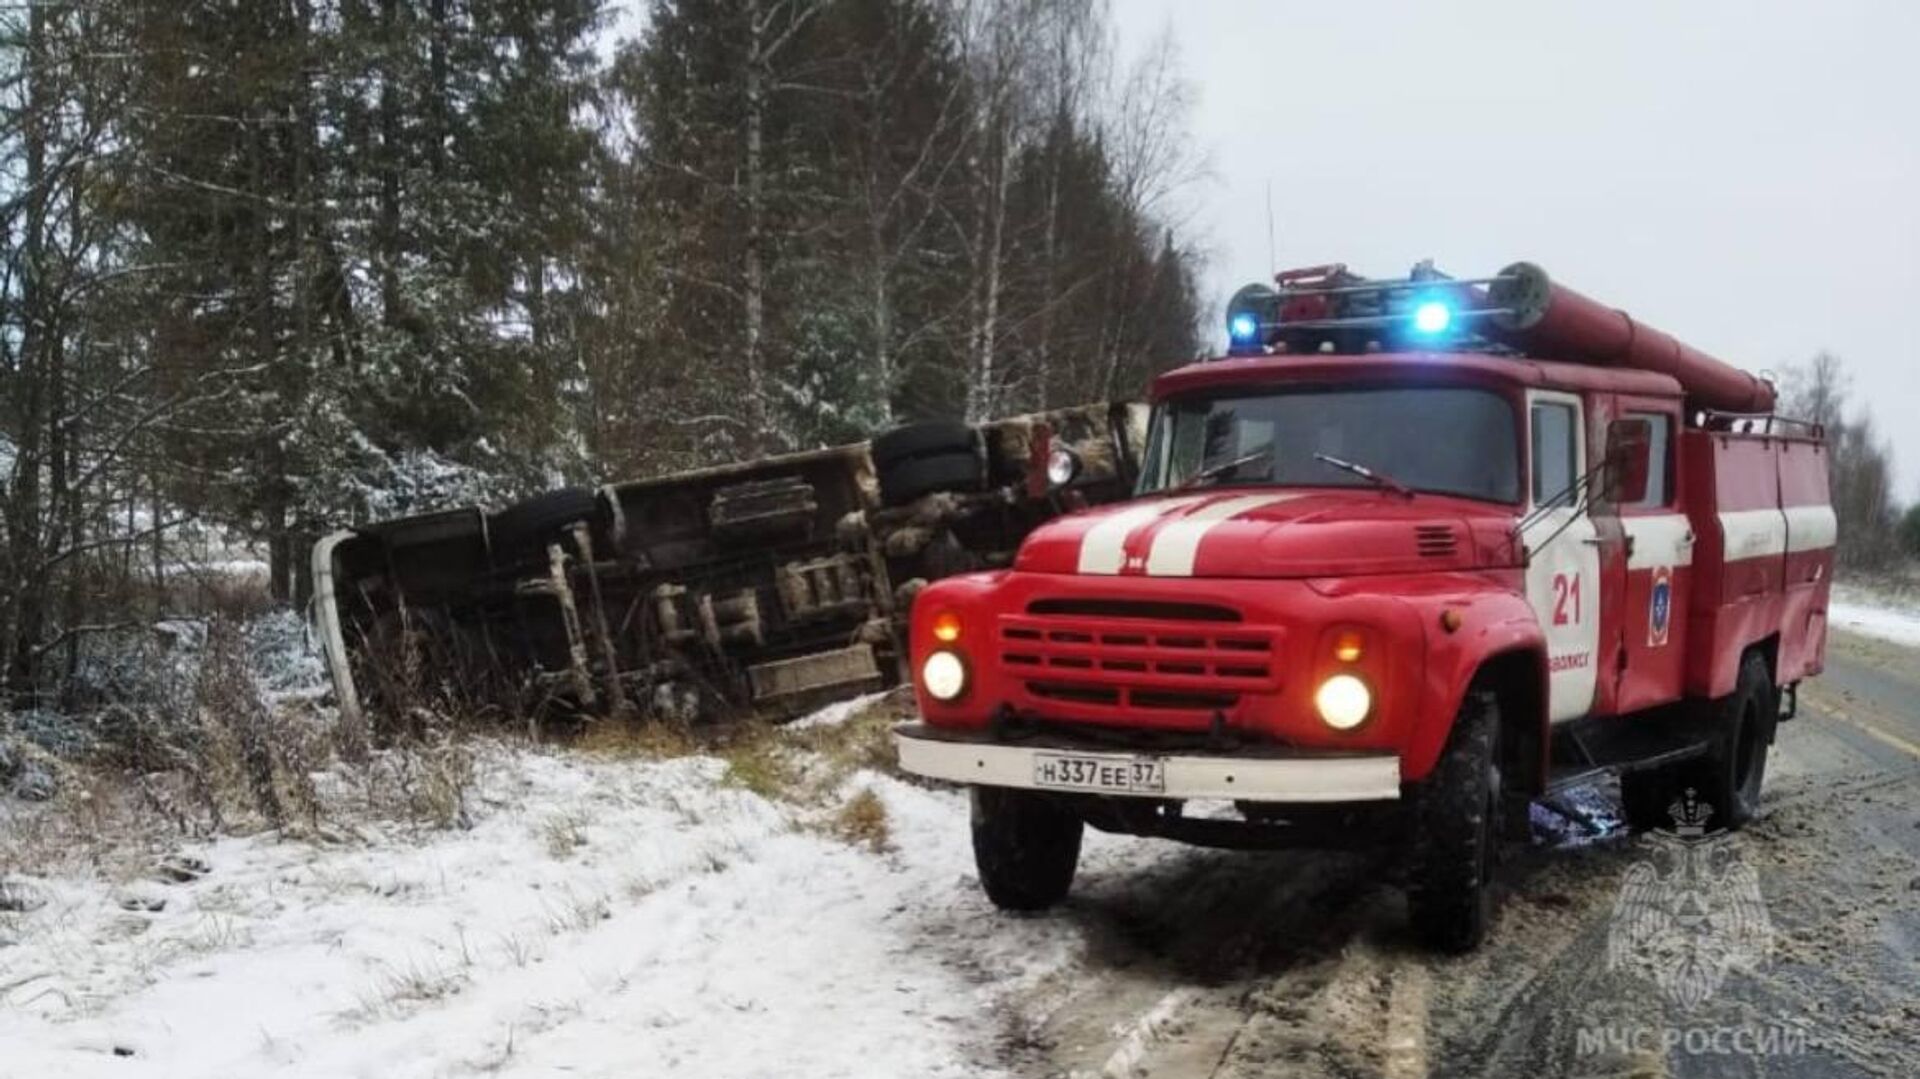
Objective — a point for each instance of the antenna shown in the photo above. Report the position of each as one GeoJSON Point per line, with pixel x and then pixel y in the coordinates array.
{"type": "Point", "coordinates": [1273, 261]}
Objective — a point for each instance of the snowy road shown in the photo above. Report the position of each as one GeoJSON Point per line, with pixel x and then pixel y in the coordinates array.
{"type": "Point", "coordinates": [1238, 965]}
{"type": "Point", "coordinates": [633, 917]}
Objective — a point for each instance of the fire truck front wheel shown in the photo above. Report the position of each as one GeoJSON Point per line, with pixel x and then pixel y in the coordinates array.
{"type": "Point", "coordinates": [1026, 846]}
{"type": "Point", "coordinates": [1455, 840]}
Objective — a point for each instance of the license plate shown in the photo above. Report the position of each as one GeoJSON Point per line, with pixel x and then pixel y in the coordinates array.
{"type": "Point", "coordinates": [1082, 772]}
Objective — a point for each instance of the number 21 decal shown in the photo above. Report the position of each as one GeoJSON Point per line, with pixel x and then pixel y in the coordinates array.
{"type": "Point", "coordinates": [1566, 591]}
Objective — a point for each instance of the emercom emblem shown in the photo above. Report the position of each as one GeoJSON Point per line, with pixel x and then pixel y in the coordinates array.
{"type": "Point", "coordinates": [1691, 911]}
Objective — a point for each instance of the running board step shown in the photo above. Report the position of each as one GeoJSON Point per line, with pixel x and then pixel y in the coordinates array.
{"type": "Point", "coordinates": [1586, 750]}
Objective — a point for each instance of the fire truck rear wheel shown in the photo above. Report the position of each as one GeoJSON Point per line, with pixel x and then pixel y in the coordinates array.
{"type": "Point", "coordinates": [1026, 846]}
{"type": "Point", "coordinates": [1455, 842]}
{"type": "Point", "coordinates": [1728, 778]}
{"type": "Point", "coordinates": [1737, 766]}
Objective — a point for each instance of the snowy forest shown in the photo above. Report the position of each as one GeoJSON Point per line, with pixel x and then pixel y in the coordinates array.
{"type": "Point", "coordinates": [274, 267]}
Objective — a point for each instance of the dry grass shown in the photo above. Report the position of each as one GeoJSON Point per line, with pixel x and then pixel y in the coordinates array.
{"type": "Point", "coordinates": [577, 913]}
{"type": "Point", "coordinates": [565, 833]}
{"type": "Point", "coordinates": [757, 760]}
{"type": "Point", "coordinates": [624, 739]}
{"type": "Point", "coordinates": [864, 741]}
{"type": "Point", "coordinates": [424, 784]}
{"type": "Point", "coordinates": [863, 821]}
{"type": "Point", "coordinates": [196, 750]}
{"type": "Point", "coordinates": [207, 754]}
{"type": "Point", "coordinates": [808, 766]}
{"type": "Point", "coordinates": [403, 988]}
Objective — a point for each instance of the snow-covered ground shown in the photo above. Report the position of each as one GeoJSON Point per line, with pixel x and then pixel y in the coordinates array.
{"type": "Point", "coordinates": [602, 917]}
{"type": "Point", "coordinates": [1874, 615]}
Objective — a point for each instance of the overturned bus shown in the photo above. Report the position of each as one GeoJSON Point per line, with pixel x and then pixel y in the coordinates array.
{"type": "Point", "coordinates": [769, 586]}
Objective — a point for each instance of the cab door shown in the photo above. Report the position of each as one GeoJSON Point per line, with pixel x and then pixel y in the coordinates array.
{"type": "Point", "coordinates": [1563, 559]}
{"type": "Point", "coordinates": [1659, 567]}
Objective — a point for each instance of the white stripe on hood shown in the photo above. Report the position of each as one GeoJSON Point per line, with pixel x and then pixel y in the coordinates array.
{"type": "Point", "coordinates": [1176, 545]}
{"type": "Point", "coordinates": [1104, 547]}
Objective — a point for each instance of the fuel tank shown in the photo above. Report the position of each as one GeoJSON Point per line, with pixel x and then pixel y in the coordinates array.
{"type": "Point", "coordinates": [1552, 321]}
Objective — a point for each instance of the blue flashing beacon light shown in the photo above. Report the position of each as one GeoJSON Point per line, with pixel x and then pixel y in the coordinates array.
{"type": "Point", "coordinates": [1432, 317]}
{"type": "Point", "coordinates": [1243, 329]}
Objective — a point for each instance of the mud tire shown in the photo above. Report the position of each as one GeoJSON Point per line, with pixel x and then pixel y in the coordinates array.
{"type": "Point", "coordinates": [1026, 846]}
{"type": "Point", "coordinates": [1729, 777]}
{"type": "Point", "coordinates": [525, 527]}
{"type": "Point", "coordinates": [1455, 833]}
{"type": "Point", "coordinates": [933, 438]}
{"type": "Point", "coordinates": [910, 480]}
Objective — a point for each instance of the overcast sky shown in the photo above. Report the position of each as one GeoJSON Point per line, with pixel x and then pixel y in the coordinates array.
{"type": "Point", "coordinates": [1743, 175]}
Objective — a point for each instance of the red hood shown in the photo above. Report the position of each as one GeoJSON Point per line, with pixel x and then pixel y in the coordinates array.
{"type": "Point", "coordinates": [1272, 532]}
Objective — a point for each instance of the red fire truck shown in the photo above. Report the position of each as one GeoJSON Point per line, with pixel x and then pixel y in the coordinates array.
{"type": "Point", "coordinates": [1413, 555]}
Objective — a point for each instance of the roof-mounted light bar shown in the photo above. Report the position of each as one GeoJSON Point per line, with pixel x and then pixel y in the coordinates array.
{"type": "Point", "coordinates": [1327, 306]}
{"type": "Point", "coordinates": [1520, 311]}
{"type": "Point", "coordinates": [1389, 286]}
{"type": "Point", "coordinates": [1408, 319]}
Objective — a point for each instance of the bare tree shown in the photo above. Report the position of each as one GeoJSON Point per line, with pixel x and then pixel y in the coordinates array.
{"type": "Point", "coordinates": [771, 27]}
{"type": "Point", "coordinates": [1859, 463]}
{"type": "Point", "coordinates": [901, 181]}
{"type": "Point", "coordinates": [1816, 391]}
{"type": "Point", "coordinates": [1145, 131]}
{"type": "Point", "coordinates": [1001, 57]}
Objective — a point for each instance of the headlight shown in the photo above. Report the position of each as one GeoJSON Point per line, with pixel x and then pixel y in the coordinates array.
{"type": "Point", "coordinates": [1343, 702]}
{"type": "Point", "coordinates": [1062, 466]}
{"type": "Point", "coordinates": [943, 676]}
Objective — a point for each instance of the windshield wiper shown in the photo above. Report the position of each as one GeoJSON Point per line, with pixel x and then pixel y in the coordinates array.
{"type": "Point", "coordinates": [1380, 479]}
{"type": "Point", "coordinates": [1214, 472]}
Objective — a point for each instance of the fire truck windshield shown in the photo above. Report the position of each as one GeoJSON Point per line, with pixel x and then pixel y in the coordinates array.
{"type": "Point", "coordinates": [1438, 439]}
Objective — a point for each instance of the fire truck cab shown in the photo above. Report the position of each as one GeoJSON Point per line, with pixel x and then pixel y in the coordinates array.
{"type": "Point", "coordinates": [1413, 555]}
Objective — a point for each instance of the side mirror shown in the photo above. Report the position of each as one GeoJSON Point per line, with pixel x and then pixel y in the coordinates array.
{"type": "Point", "coordinates": [1629, 460]}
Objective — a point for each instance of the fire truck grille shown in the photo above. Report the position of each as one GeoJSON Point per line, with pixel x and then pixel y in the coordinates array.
{"type": "Point", "coordinates": [1134, 608]}
{"type": "Point", "coordinates": [1138, 662]}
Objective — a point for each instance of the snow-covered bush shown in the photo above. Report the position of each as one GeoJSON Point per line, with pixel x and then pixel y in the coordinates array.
{"type": "Point", "coordinates": [27, 771]}
{"type": "Point", "coordinates": [284, 658]}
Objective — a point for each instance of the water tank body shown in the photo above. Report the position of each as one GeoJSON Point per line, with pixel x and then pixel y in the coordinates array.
{"type": "Point", "coordinates": [1552, 321]}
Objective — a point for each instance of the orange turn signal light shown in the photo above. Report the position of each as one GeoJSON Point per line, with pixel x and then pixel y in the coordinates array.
{"type": "Point", "coordinates": [946, 627]}
{"type": "Point", "coordinates": [1450, 620]}
{"type": "Point", "coordinates": [1347, 647]}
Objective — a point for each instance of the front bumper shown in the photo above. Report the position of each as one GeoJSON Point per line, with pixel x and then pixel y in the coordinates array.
{"type": "Point", "coordinates": [1253, 776]}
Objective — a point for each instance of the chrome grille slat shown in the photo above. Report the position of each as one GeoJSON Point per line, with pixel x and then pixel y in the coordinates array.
{"type": "Point", "coordinates": [1114, 660]}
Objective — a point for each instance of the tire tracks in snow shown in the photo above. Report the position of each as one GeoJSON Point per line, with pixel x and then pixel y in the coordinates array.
{"type": "Point", "coordinates": [1295, 963]}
